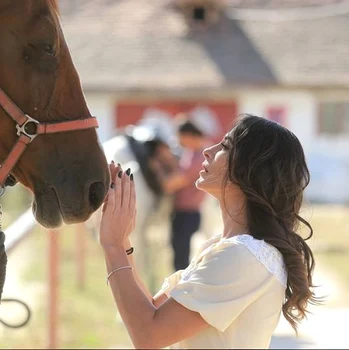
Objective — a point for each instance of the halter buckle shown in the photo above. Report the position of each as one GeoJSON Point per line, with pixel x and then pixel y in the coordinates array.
{"type": "Point", "coordinates": [22, 129]}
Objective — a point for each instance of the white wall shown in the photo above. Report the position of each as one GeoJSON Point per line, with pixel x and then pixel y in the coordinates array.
{"type": "Point", "coordinates": [300, 110]}
{"type": "Point", "coordinates": [327, 156]}
{"type": "Point", "coordinates": [102, 106]}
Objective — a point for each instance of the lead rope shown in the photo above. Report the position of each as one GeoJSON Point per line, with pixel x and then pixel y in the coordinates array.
{"type": "Point", "coordinates": [2, 191]}
{"type": "Point", "coordinates": [3, 262]}
{"type": "Point", "coordinates": [3, 257]}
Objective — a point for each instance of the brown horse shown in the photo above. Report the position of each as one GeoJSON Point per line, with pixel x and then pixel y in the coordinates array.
{"type": "Point", "coordinates": [67, 172]}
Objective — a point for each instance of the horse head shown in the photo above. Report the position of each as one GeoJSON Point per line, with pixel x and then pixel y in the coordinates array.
{"type": "Point", "coordinates": [67, 172]}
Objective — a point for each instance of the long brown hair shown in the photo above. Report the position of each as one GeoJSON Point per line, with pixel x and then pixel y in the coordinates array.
{"type": "Point", "coordinates": [267, 162]}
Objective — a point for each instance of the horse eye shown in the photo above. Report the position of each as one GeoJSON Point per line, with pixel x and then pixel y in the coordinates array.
{"type": "Point", "coordinates": [49, 50]}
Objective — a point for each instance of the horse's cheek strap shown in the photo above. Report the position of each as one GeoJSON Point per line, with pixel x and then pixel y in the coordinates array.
{"type": "Point", "coordinates": [13, 157]}
{"type": "Point", "coordinates": [3, 262]}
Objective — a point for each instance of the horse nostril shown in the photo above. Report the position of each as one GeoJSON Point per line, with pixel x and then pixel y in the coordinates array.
{"type": "Point", "coordinates": [96, 195]}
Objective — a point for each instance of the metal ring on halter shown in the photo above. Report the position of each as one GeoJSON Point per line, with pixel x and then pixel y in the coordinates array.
{"type": "Point", "coordinates": [22, 129]}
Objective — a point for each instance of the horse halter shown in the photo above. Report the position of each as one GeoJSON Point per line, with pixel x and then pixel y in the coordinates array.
{"type": "Point", "coordinates": [28, 129]}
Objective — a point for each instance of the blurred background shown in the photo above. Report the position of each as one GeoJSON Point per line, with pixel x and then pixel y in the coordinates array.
{"type": "Point", "coordinates": [141, 62]}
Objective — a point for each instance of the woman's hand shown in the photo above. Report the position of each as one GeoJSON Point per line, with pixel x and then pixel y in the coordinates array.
{"type": "Point", "coordinates": [119, 210]}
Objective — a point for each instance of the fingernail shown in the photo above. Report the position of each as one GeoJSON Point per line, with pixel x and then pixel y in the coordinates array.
{"type": "Point", "coordinates": [112, 162]}
{"type": "Point", "coordinates": [120, 174]}
{"type": "Point", "coordinates": [112, 185]}
{"type": "Point", "coordinates": [128, 172]}
{"type": "Point", "coordinates": [119, 164]}
{"type": "Point", "coordinates": [131, 177]}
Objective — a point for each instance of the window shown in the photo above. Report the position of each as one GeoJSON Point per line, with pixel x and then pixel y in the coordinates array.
{"type": "Point", "coordinates": [199, 13]}
{"type": "Point", "coordinates": [333, 118]}
{"type": "Point", "coordinates": [276, 113]}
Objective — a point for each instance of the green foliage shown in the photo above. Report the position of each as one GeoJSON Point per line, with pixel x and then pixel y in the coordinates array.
{"type": "Point", "coordinates": [16, 200]}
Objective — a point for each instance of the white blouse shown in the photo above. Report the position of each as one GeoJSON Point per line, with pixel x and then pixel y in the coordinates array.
{"type": "Point", "coordinates": [238, 286]}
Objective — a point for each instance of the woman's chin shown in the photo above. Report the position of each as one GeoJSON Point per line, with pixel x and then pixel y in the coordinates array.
{"type": "Point", "coordinates": [207, 186]}
{"type": "Point", "coordinates": [200, 184]}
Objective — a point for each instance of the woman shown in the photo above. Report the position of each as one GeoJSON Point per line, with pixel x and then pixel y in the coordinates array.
{"type": "Point", "coordinates": [232, 293]}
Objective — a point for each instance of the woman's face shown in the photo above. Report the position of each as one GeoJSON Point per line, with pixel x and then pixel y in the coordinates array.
{"type": "Point", "coordinates": [215, 168]}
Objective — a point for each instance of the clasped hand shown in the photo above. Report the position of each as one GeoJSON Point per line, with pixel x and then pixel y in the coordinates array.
{"type": "Point", "coordinates": [119, 209]}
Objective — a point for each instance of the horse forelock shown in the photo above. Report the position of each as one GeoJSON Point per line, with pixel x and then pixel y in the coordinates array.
{"type": "Point", "coordinates": [49, 7]}
{"type": "Point", "coordinates": [54, 5]}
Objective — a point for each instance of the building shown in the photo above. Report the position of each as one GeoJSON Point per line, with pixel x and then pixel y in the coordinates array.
{"type": "Point", "coordinates": [139, 57]}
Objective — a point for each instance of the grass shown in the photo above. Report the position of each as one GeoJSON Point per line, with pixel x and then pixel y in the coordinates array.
{"type": "Point", "coordinates": [331, 226]}
{"type": "Point", "coordinates": [14, 203]}
{"type": "Point", "coordinates": [88, 317]}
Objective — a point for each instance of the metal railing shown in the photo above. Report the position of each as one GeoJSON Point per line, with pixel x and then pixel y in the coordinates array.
{"type": "Point", "coordinates": [16, 232]}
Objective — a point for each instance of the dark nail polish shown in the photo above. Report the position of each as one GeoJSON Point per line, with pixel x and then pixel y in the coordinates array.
{"type": "Point", "coordinates": [128, 172]}
{"type": "Point", "coordinates": [120, 174]}
{"type": "Point", "coordinates": [112, 162]}
{"type": "Point", "coordinates": [119, 164]}
{"type": "Point", "coordinates": [131, 177]}
{"type": "Point", "coordinates": [112, 185]}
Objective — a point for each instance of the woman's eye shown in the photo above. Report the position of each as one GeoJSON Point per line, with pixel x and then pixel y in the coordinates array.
{"type": "Point", "coordinates": [223, 146]}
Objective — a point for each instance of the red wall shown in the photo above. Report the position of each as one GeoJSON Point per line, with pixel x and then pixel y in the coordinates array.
{"type": "Point", "coordinates": [131, 112]}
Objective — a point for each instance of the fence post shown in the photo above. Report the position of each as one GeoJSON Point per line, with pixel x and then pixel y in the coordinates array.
{"type": "Point", "coordinates": [81, 255]}
{"type": "Point", "coordinates": [53, 258]}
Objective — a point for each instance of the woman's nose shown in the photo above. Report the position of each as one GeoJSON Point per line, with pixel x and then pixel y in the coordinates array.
{"type": "Point", "coordinates": [206, 153]}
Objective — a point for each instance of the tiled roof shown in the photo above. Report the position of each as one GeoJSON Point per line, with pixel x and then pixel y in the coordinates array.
{"type": "Point", "coordinates": [281, 4]}
{"type": "Point", "coordinates": [146, 44]}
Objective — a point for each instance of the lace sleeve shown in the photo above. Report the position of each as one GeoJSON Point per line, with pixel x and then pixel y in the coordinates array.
{"type": "Point", "coordinates": [266, 254]}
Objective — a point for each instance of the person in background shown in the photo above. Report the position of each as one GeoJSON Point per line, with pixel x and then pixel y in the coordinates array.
{"type": "Point", "coordinates": [236, 286]}
{"type": "Point", "coordinates": [162, 158]}
{"type": "Point", "coordinates": [186, 213]}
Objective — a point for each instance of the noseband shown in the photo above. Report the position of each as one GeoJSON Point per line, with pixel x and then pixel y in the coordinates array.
{"type": "Point", "coordinates": [28, 129]}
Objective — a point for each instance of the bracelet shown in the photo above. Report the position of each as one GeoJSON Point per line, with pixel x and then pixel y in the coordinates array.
{"type": "Point", "coordinates": [129, 251]}
{"type": "Point", "coordinates": [118, 269]}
